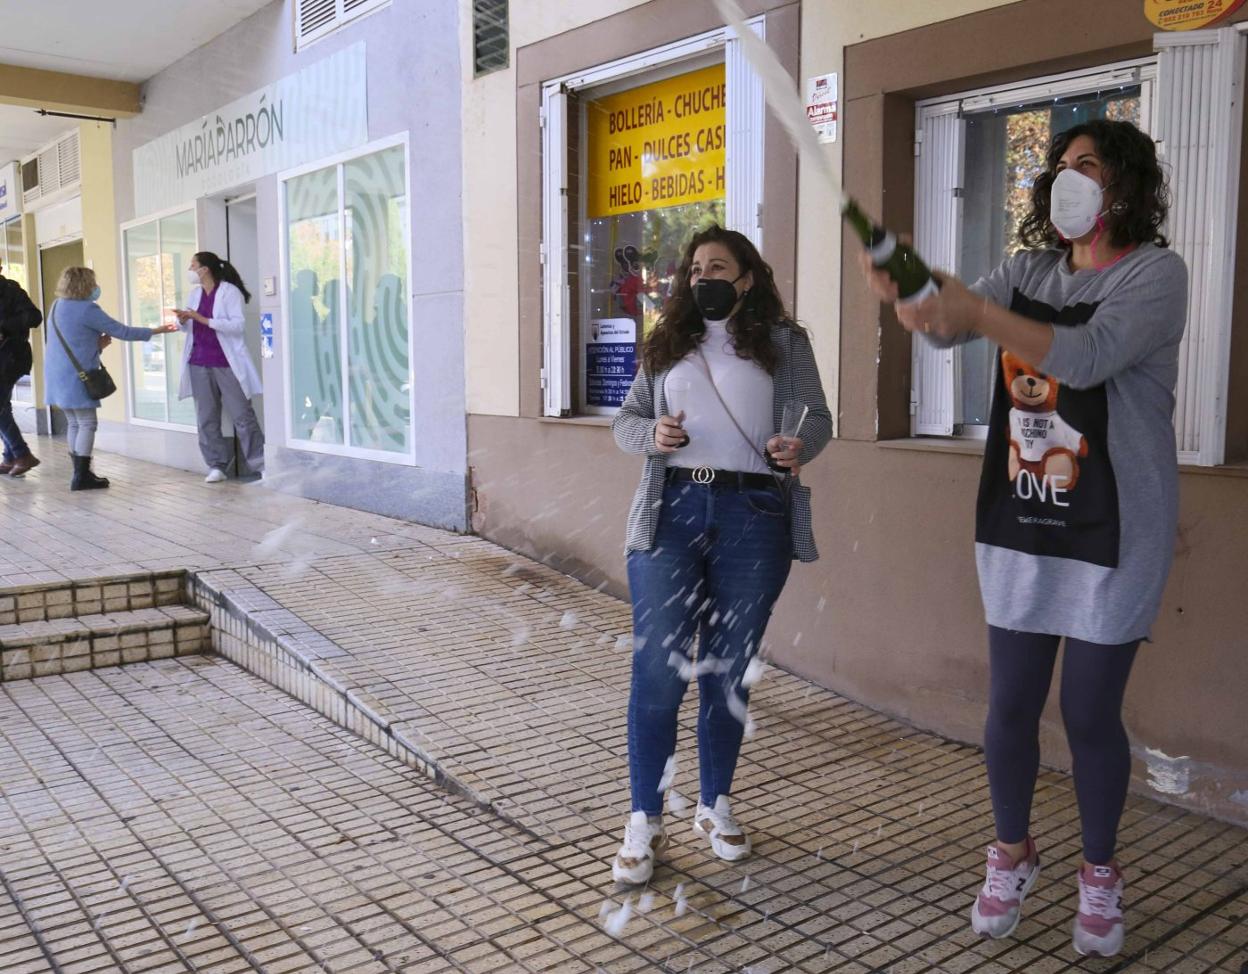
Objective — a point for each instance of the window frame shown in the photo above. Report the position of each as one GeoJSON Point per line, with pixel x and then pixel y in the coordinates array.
{"type": "Point", "coordinates": [23, 386]}
{"type": "Point", "coordinates": [477, 13]}
{"type": "Point", "coordinates": [345, 449]}
{"type": "Point", "coordinates": [1206, 152]}
{"type": "Point", "coordinates": [744, 117]}
{"type": "Point", "coordinates": [4, 246]}
{"type": "Point", "coordinates": [131, 379]}
{"type": "Point", "coordinates": [941, 368]}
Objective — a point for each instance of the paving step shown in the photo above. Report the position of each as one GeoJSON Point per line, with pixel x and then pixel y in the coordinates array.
{"type": "Point", "coordinates": [45, 647]}
{"type": "Point", "coordinates": [91, 596]}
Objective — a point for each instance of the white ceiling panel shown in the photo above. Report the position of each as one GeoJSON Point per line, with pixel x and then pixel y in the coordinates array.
{"type": "Point", "coordinates": [122, 40]}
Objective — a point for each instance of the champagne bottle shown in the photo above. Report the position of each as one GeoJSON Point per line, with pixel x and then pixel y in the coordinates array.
{"type": "Point", "coordinates": [913, 279]}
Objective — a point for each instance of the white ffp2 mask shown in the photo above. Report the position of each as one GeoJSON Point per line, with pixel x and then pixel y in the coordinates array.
{"type": "Point", "coordinates": [1074, 203]}
{"type": "Point", "coordinates": [192, 278]}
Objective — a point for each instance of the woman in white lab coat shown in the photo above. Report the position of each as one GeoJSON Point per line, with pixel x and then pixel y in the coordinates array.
{"type": "Point", "coordinates": [216, 368]}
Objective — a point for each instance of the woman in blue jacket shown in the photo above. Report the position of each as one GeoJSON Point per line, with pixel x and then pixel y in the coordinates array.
{"type": "Point", "coordinates": [78, 322]}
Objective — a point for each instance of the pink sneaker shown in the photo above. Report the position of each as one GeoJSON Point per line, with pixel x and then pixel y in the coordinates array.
{"type": "Point", "coordinates": [1098, 924]}
{"type": "Point", "coordinates": [1000, 902]}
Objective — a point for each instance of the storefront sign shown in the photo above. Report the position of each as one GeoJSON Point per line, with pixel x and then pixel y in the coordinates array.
{"type": "Point", "coordinates": [10, 192]}
{"type": "Point", "coordinates": [658, 145]}
{"type": "Point", "coordinates": [266, 335]}
{"type": "Point", "coordinates": [610, 360]}
{"type": "Point", "coordinates": [1188, 14]}
{"type": "Point", "coordinates": [821, 105]}
{"type": "Point", "coordinates": [317, 112]}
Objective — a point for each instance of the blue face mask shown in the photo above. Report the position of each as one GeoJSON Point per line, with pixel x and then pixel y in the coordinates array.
{"type": "Point", "coordinates": [95, 294]}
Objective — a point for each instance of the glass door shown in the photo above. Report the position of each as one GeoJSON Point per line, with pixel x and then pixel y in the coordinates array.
{"type": "Point", "coordinates": [157, 253]}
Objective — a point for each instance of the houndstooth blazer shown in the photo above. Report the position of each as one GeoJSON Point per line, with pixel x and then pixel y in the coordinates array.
{"type": "Point", "coordinates": [796, 377]}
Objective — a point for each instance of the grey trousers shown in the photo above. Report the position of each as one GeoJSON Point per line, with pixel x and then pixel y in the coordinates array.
{"type": "Point", "coordinates": [211, 388]}
{"type": "Point", "coordinates": [81, 425]}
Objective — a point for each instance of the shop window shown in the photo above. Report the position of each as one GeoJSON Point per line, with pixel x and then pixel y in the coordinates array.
{"type": "Point", "coordinates": [13, 253]}
{"type": "Point", "coordinates": [636, 158]}
{"type": "Point", "coordinates": [157, 254]}
{"type": "Point", "coordinates": [978, 154]}
{"type": "Point", "coordinates": [316, 18]}
{"type": "Point", "coordinates": [347, 305]}
{"type": "Point", "coordinates": [13, 258]}
{"type": "Point", "coordinates": [489, 36]}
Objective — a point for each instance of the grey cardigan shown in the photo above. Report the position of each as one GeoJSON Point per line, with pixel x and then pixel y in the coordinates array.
{"type": "Point", "coordinates": [796, 377]}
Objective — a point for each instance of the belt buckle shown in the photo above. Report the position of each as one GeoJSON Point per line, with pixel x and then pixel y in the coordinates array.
{"type": "Point", "coordinates": [703, 475]}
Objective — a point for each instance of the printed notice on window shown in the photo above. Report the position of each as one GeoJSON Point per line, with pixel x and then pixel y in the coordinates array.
{"type": "Point", "coordinates": [657, 145]}
{"type": "Point", "coordinates": [610, 360]}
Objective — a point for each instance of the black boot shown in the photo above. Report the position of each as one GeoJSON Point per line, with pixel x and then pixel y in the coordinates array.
{"type": "Point", "coordinates": [84, 479]}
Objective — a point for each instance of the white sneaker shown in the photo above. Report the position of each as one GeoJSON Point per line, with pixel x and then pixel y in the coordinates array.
{"type": "Point", "coordinates": [215, 476]}
{"type": "Point", "coordinates": [999, 905]}
{"type": "Point", "coordinates": [643, 841]}
{"type": "Point", "coordinates": [1099, 924]}
{"type": "Point", "coordinates": [728, 839]}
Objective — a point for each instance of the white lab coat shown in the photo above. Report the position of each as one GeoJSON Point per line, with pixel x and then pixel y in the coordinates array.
{"type": "Point", "coordinates": [229, 324]}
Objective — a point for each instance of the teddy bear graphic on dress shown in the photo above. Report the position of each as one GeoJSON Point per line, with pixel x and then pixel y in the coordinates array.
{"type": "Point", "coordinates": [1042, 444]}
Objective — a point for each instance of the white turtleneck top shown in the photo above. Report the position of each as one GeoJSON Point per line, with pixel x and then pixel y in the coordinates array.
{"type": "Point", "coordinates": [746, 388]}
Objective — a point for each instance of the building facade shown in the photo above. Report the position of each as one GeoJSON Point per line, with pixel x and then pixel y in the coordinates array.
{"type": "Point", "coordinates": [320, 153]}
{"type": "Point", "coordinates": [940, 109]}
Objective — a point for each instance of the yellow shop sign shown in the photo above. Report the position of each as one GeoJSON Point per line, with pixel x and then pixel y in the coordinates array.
{"type": "Point", "coordinates": [661, 144]}
{"type": "Point", "coordinates": [1188, 14]}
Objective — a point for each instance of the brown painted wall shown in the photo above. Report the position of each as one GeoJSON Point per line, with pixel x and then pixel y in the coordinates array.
{"type": "Point", "coordinates": [902, 625]}
{"type": "Point", "coordinates": [891, 614]}
{"type": "Point", "coordinates": [1188, 695]}
{"type": "Point", "coordinates": [555, 490]}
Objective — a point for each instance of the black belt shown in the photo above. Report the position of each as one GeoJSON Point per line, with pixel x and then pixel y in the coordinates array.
{"type": "Point", "coordinates": [721, 478]}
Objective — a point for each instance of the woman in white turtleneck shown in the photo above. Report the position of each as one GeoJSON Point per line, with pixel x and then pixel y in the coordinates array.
{"type": "Point", "coordinates": [717, 519]}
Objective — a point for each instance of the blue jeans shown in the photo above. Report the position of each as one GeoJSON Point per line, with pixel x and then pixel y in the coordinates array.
{"type": "Point", "coordinates": [721, 556]}
{"type": "Point", "coordinates": [14, 444]}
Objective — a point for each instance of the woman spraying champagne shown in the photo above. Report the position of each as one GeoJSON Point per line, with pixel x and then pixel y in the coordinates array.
{"type": "Point", "coordinates": [1078, 499]}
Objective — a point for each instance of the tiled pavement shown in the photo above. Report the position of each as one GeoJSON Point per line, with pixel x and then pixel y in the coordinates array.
{"type": "Point", "coordinates": [513, 678]}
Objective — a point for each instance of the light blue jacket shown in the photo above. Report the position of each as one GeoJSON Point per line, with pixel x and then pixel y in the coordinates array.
{"type": "Point", "coordinates": [82, 323]}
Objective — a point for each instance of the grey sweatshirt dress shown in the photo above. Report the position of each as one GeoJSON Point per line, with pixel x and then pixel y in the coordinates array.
{"type": "Point", "coordinates": [1078, 499]}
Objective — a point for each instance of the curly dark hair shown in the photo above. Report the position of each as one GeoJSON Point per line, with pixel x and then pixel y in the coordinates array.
{"type": "Point", "coordinates": [680, 326]}
{"type": "Point", "coordinates": [1134, 180]}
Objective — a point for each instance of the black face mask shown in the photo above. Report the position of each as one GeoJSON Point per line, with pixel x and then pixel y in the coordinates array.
{"type": "Point", "coordinates": [715, 297]}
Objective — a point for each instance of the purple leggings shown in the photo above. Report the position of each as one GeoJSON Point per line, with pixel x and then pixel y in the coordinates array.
{"type": "Point", "coordinates": [1094, 678]}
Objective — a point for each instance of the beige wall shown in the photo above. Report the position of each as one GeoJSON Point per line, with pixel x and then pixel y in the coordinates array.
{"type": "Point", "coordinates": [100, 247]}
{"type": "Point", "coordinates": [827, 28]}
{"type": "Point", "coordinates": [491, 308]}
{"type": "Point", "coordinates": [31, 246]}
{"type": "Point", "coordinates": [100, 251]}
